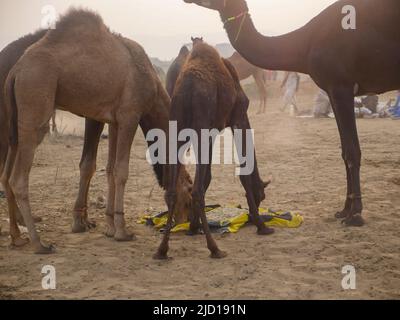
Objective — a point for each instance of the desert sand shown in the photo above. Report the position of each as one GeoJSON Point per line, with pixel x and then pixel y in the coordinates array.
{"type": "Point", "coordinates": [304, 158]}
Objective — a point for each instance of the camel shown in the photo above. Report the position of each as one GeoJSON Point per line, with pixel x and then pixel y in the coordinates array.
{"type": "Point", "coordinates": [107, 79]}
{"type": "Point", "coordinates": [246, 70]}
{"type": "Point", "coordinates": [11, 54]}
{"type": "Point", "coordinates": [343, 61]}
{"type": "Point", "coordinates": [175, 69]}
{"type": "Point", "coordinates": [208, 95]}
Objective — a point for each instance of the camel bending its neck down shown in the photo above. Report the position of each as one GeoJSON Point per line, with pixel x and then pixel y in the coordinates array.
{"type": "Point", "coordinates": [246, 70]}
{"type": "Point", "coordinates": [343, 62]}
{"type": "Point", "coordinates": [98, 75]}
{"type": "Point", "coordinates": [208, 95]}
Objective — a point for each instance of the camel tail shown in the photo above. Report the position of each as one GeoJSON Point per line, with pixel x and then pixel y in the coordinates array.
{"type": "Point", "coordinates": [8, 122]}
{"type": "Point", "coordinates": [12, 111]}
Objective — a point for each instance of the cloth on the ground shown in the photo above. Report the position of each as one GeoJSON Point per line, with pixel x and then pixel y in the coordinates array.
{"type": "Point", "coordinates": [395, 110]}
{"type": "Point", "coordinates": [229, 219]}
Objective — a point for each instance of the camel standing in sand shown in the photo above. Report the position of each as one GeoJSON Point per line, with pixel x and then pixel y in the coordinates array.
{"type": "Point", "coordinates": [344, 62]}
{"type": "Point", "coordinates": [175, 69]}
{"type": "Point", "coordinates": [208, 95]}
{"type": "Point", "coordinates": [106, 78]}
{"type": "Point", "coordinates": [246, 70]}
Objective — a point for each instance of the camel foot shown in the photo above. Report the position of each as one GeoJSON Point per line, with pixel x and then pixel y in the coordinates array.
{"type": "Point", "coordinates": [193, 232]}
{"type": "Point", "coordinates": [160, 256]}
{"type": "Point", "coordinates": [110, 232]}
{"type": "Point", "coordinates": [354, 220]}
{"type": "Point", "coordinates": [265, 231]}
{"type": "Point", "coordinates": [218, 254]}
{"type": "Point", "coordinates": [45, 249]}
{"type": "Point", "coordinates": [342, 214]}
{"type": "Point", "coordinates": [82, 225]}
{"type": "Point", "coordinates": [124, 236]}
{"type": "Point", "coordinates": [18, 242]}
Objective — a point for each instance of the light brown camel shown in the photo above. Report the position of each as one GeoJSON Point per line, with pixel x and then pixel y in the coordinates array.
{"type": "Point", "coordinates": [246, 70]}
{"type": "Point", "coordinates": [100, 76]}
{"type": "Point", "coordinates": [351, 48]}
{"type": "Point", "coordinates": [208, 96]}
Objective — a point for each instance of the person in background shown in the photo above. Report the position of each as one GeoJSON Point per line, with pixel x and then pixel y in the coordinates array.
{"type": "Point", "coordinates": [291, 84]}
{"type": "Point", "coordinates": [395, 110]}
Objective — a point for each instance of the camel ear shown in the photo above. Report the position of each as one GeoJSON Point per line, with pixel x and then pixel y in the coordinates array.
{"type": "Point", "coordinates": [192, 39]}
{"type": "Point", "coordinates": [266, 183]}
{"type": "Point", "coordinates": [201, 38]}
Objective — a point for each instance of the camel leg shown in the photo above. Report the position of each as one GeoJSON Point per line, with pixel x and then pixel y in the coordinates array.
{"type": "Point", "coordinates": [16, 239]}
{"type": "Point", "coordinates": [93, 130]}
{"type": "Point", "coordinates": [262, 91]}
{"type": "Point", "coordinates": [126, 133]}
{"type": "Point", "coordinates": [112, 150]}
{"type": "Point", "coordinates": [19, 181]}
{"type": "Point", "coordinates": [252, 183]}
{"type": "Point", "coordinates": [201, 183]}
{"type": "Point", "coordinates": [171, 200]}
{"type": "Point", "coordinates": [342, 100]}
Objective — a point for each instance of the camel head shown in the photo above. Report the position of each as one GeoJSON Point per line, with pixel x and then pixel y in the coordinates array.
{"type": "Point", "coordinates": [197, 41]}
{"type": "Point", "coordinates": [226, 7]}
{"type": "Point", "coordinates": [184, 197]}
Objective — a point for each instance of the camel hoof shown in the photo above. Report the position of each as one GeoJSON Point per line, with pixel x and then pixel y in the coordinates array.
{"type": "Point", "coordinates": [45, 249]}
{"type": "Point", "coordinates": [193, 233]}
{"type": "Point", "coordinates": [18, 242]}
{"type": "Point", "coordinates": [355, 220]}
{"type": "Point", "coordinates": [265, 231]}
{"type": "Point", "coordinates": [341, 214]}
{"type": "Point", "coordinates": [82, 226]}
{"type": "Point", "coordinates": [160, 256]}
{"type": "Point", "coordinates": [218, 255]}
{"type": "Point", "coordinates": [124, 237]}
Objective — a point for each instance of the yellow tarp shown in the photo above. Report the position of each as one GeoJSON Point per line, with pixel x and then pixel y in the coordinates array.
{"type": "Point", "coordinates": [272, 218]}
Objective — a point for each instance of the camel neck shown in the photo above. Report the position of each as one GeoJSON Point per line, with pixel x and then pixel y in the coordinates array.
{"type": "Point", "coordinates": [287, 52]}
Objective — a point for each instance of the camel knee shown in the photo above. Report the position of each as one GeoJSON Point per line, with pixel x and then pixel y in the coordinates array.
{"type": "Point", "coordinates": [198, 199]}
{"type": "Point", "coordinates": [19, 189]}
{"type": "Point", "coordinates": [120, 175]}
{"type": "Point", "coordinates": [87, 168]}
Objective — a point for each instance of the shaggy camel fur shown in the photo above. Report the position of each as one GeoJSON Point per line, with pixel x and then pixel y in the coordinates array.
{"type": "Point", "coordinates": [100, 76]}
{"type": "Point", "coordinates": [345, 60]}
{"type": "Point", "coordinates": [208, 95]}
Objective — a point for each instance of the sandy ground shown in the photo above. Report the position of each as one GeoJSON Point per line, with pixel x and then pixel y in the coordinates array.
{"type": "Point", "coordinates": [304, 158]}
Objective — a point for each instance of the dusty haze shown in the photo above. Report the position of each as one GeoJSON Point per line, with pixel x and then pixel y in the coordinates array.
{"type": "Point", "coordinates": [161, 26]}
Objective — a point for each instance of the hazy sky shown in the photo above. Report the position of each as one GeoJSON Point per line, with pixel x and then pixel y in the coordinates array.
{"type": "Point", "coordinates": [161, 26]}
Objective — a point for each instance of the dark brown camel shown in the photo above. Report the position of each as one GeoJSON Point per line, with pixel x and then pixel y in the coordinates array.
{"type": "Point", "coordinates": [343, 62]}
{"type": "Point", "coordinates": [175, 69]}
{"type": "Point", "coordinates": [246, 70]}
{"type": "Point", "coordinates": [208, 95]}
{"type": "Point", "coordinates": [106, 78]}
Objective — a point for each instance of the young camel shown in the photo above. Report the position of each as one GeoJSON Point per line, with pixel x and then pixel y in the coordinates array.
{"type": "Point", "coordinates": [208, 95]}
{"type": "Point", "coordinates": [106, 78]}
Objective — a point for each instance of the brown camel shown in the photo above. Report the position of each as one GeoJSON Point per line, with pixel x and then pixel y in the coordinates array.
{"type": "Point", "coordinates": [106, 78]}
{"type": "Point", "coordinates": [345, 60]}
{"type": "Point", "coordinates": [208, 95]}
{"type": "Point", "coordinates": [246, 70]}
{"type": "Point", "coordinates": [175, 69]}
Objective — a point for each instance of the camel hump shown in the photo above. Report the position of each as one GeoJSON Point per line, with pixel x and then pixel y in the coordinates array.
{"type": "Point", "coordinates": [77, 23]}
